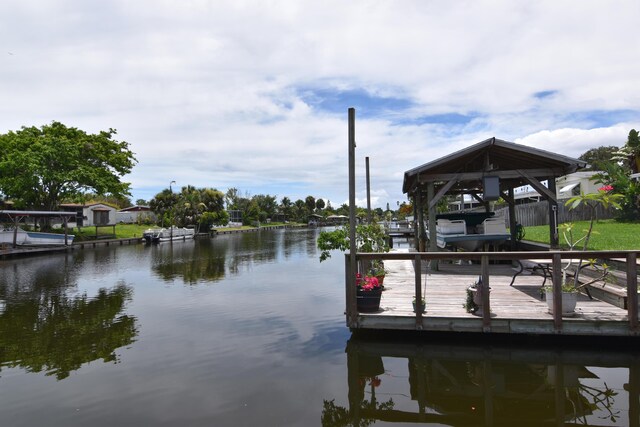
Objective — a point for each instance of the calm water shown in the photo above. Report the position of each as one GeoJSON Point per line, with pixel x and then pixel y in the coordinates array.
{"type": "Point", "coordinates": [248, 330]}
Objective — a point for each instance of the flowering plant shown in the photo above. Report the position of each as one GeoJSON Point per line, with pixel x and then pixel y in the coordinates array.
{"type": "Point", "coordinates": [367, 283]}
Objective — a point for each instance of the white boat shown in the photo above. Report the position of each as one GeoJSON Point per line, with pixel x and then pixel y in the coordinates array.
{"type": "Point", "coordinates": [455, 233]}
{"type": "Point", "coordinates": [156, 235]}
{"type": "Point", "coordinates": [34, 238]}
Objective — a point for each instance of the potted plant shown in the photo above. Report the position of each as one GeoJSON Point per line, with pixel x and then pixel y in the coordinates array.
{"type": "Point", "coordinates": [377, 270]}
{"type": "Point", "coordinates": [570, 280]}
{"type": "Point", "coordinates": [369, 238]}
{"type": "Point", "coordinates": [474, 296]}
{"type": "Point", "coordinates": [368, 293]}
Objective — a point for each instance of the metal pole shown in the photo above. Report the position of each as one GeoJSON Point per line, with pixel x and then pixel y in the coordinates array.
{"type": "Point", "coordinates": [351, 288]}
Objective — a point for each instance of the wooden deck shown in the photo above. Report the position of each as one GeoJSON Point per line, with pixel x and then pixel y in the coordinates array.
{"type": "Point", "coordinates": [516, 309]}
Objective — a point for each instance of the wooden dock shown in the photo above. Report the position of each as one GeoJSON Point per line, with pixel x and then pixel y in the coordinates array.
{"type": "Point", "coordinates": [517, 309]}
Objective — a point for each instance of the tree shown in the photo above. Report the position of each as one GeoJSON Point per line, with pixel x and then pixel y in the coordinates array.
{"type": "Point", "coordinates": [630, 152]}
{"type": "Point", "coordinates": [320, 204]}
{"type": "Point", "coordinates": [618, 177]}
{"type": "Point", "coordinates": [41, 167]}
{"type": "Point", "coordinates": [596, 157]}
{"type": "Point", "coordinates": [310, 201]}
{"type": "Point", "coordinates": [141, 202]}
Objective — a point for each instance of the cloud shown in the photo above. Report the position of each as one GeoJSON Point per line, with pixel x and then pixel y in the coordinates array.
{"type": "Point", "coordinates": [254, 95]}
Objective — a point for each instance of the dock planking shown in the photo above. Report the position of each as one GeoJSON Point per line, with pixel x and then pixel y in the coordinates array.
{"type": "Point", "coordinates": [517, 309]}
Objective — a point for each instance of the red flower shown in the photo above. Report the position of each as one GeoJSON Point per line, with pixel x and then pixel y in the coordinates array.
{"type": "Point", "coordinates": [369, 283]}
{"type": "Point", "coordinates": [606, 188]}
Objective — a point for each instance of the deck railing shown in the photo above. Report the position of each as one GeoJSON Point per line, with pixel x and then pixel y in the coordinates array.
{"type": "Point", "coordinates": [556, 258]}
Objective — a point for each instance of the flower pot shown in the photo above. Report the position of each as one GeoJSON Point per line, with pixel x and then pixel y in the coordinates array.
{"type": "Point", "coordinates": [380, 279]}
{"type": "Point", "coordinates": [477, 295]}
{"type": "Point", "coordinates": [368, 301]}
{"type": "Point", "coordinates": [569, 300]}
{"type": "Point", "coordinates": [423, 306]}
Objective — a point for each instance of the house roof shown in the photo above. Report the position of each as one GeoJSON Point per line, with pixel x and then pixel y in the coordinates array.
{"type": "Point", "coordinates": [135, 208]}
{"type": "Point", "coordinates": [511, 162]}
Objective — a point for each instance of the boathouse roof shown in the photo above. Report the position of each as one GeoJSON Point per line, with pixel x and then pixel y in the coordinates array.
{"type": "Point", "coordinates": [509, 161]}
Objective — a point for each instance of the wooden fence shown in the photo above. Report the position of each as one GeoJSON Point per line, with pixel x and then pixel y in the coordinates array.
{"type": "Point", "coordinates": [532, 214]}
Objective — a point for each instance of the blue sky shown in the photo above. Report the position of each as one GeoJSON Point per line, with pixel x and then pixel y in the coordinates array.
{"type": "Point", "coordinates": [254, 94]}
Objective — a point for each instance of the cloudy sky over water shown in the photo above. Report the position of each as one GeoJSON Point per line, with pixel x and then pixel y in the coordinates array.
{"type": "Point", "coordinates": [254, 94]}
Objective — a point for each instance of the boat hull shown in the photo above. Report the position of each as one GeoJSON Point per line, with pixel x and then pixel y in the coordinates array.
{"type": "Point", "coordinates": [34, 238]}
{"type": "Point", "coordinates": [167, 234]}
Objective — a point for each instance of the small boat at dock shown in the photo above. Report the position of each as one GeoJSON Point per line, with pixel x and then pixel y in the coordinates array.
{"type": "Point", "coordinates": [34, 238]}
{"type": "Point", "coordinates": [157, 235]}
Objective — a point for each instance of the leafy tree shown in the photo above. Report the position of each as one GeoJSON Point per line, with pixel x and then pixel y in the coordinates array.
{"type": "Point", "coordinates": [251, 213]}
{"type": "Point", "coordinates": [630, 152]}
{"type": "Point", "coordinates": [618, 177]}
{"type": "Point", "coordinates": [343, 209]}
{"type": "Point", "coordinates": [310, 201]}
{"type": "Point", "coordinates": [301, 211]}
{"type": "Point", "coordinates": [231, 197]}
{"type": "Point", "coordinates": [596, 157]}
{"type": "Point", "coordinates": [141, 202]}
{"type": "Point", "coordinates": [41, 167]}
{"type": "Point", "coordinates": [164, 205]}
{"type": "Point", "coordinates": [286, 207]}
{"type": "Point", "coordinates": [320, 204]}
{"type": "Point", "coordinates": [267, 205]}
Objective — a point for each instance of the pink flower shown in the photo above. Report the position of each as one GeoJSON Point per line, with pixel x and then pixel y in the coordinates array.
{"type": "Point", "coordinates": [606, 188]}
{"type": "Point", "coordinates": [369, 283]}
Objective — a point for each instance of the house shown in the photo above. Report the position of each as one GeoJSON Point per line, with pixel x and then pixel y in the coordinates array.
{"type": "Point", "coordinates": [93, 214]}
{"type": "Point", "coordinates": [575, 184]}
{"type": "Point", "coordinates": [135, 214]}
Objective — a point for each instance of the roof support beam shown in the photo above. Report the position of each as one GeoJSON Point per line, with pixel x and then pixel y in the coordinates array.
{"type": "Point", "coordinates": [443, 190]}
{"type": "Point", "coordinates": [537, 185]}
{"type": "Point", "coordinates": [504, 174]}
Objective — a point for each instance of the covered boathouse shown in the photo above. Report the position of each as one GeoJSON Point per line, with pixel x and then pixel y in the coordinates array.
{"type": "Point", "coordinates": [511, 302]}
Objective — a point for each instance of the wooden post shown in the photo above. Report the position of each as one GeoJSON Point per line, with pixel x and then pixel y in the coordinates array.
{"type": "Point", "coordinates": [352, 309]}
{"type": "Point", "coordinates": [557, 291]}
{"type": "Point", "coordinates": [513, 222]}
{"type": "Point", "coordinates": [486, 305]}
{"type": "Point", "coordinates": [420, 221]}
{"type": "Point", "coordinates": [553, 216]}
{"type": "Point", "coordinates": [418, 291]}
{"type": "Point", "coordinates": [632, 291]}
{"type": "Point", "coordinates": [370, 215]}
{"type": "Point", "coordinates": [634, 395]}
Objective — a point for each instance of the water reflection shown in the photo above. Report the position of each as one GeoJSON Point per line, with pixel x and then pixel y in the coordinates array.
{"type": "Point", "coordinates": [453, 384]}
{"type": "Point", "coordinates": [209, 260]}
{"type": "Point", "coordinates": [44, 329]}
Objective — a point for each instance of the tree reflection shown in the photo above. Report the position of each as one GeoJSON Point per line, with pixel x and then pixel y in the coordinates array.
{"type": "Point", "coordinates": [56, 333]}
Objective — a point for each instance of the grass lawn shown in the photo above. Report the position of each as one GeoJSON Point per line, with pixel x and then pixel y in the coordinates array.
{"type": "Point", "coordinates": [126, 231]}
{"type": "Point", "coordinates": [606, 235]}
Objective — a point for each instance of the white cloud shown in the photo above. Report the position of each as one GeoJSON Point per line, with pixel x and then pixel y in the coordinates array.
{"type": "Point", "coordinates": [209, 93]}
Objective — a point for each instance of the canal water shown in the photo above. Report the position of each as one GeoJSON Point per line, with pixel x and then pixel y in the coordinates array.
{"type": "Point", "coordinates": [248, 330]}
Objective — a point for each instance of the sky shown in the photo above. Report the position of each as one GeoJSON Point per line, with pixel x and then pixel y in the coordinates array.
{"type": "Point", "coordinates": [254, 95]}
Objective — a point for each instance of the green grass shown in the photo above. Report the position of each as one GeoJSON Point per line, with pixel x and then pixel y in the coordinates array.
{"type": "Point", "coordinates": [606, 235]}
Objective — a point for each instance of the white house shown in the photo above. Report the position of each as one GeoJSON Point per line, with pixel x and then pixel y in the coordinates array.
{"type": "Point", "coordinates": [576, 183]}
{"type": "Point", "coordinates": [92, 214]}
